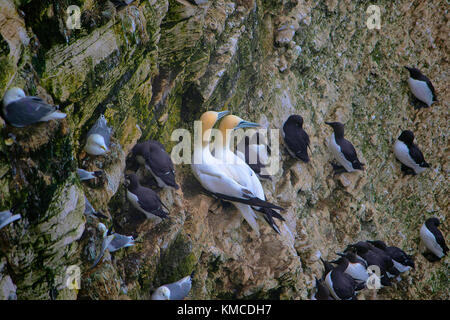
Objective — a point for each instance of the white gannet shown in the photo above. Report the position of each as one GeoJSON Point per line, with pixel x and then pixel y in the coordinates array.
{"type": "Point", "coordinates": [214, 176]}
{"type": "Point", "coordinates": [246, 176]}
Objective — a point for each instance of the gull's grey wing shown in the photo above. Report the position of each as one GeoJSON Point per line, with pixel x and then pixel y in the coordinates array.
{"type": "Point", "coordinates": [105, 243]}
{"type": "Point", "coordinates": [88, 209]}
{"type": "Point", "coordinates": [87, 175]}
{"type": "Point", "coordinates": [27, 111]}
{"type": "Point", "coordinates": [101, 128]}
{"type": "Point", "coordinates": [180, 289]}
{"type": "Point", "coordinates": [120, 241]}
{"type": "Point", "coordinates": [6, 217]}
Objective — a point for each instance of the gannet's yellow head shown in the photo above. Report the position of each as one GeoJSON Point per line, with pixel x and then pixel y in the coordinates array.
{"type": "Point", "coordinates": [209, 119]}
{"type": "Point", "coordinates": [232, 122]}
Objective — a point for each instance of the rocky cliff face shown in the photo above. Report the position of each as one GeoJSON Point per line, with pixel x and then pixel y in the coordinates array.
{"type": "Point", "coordinates": [156, 65]}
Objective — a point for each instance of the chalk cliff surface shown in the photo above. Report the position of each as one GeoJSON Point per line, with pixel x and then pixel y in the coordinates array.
{"type": "Point", "coordinates": [155, 66]}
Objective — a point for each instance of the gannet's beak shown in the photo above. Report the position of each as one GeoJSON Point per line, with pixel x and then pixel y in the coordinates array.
{"type": "Point", "coordinates": [247, 124]}
{"type": "Point", "coordinates": [222, 114]}
{"type": "Point", "coordinates": [340, 254]}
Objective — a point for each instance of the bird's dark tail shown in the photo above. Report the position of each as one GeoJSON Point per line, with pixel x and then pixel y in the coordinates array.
{"type": "Point", "coordinates": [303, 156]}
{"type": "Point", "coordinates": [358, 165]}
{"type": "Point", "coordinates": [253, 201]}
{"type": "Point", "coordinates": [269, 214]}
{"type": "Point", "coordinates": [425, 165]}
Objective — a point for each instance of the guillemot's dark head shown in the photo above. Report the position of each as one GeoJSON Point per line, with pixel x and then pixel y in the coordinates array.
{"type": "Point", "coordinates": [337, 127]}
{"type": "Point", "coordinates": [131, 180]}
{"type": "Point", "coordinates": [413, 72]}
{"type": "Point", "coordinates": [296, 120]}
{"type": "Point", "coordinates": [407, 137]}
{"type": "Point", "coordinates": [433, 222]}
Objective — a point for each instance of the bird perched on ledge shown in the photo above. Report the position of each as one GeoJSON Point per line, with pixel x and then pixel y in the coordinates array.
{"type": "Point", "coordinates": [218, 178]}
{"type": "Point", "coordinates": [154, 157]}
{"type": "Point", "coordinates": [174, 291]}
{"type": "Point", "coordinates": [409, 154]}
{"type": "Point", "coordinates": [98, 138]}
{"type": "Point", "coordinates": [343, 150]}
{"type": "Point", "coordinates": [433, 239]}
{"type": "Point", "coordinates": [296, 139]}
{"type": "Point", "coordinates": [144, 199]}
{"type": "Point", "coordinates": [421, 87]}
{"type": "Point", "coordinates": [21, 111]}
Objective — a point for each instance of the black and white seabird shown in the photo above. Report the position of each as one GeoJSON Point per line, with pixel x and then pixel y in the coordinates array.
{"type": "Point", "coordinates": [341, 285]}
{"type": "Point", "coordinates": [409, 154]}
{"type": "Point", "coordinates": [6, 217]}
{"type": "Point", "coordinates": [98, 138]}
{"type": "Point", "coordinates": [88, 175]}
{"type": "Point", "coordinates": [21, 111]}
{"type": "Point", "coordinates": [174, 291]}
{"type": "Point", "coordinates": [363, 251]}
{"type": "Point", "coordinates": [402, 261]}
{"type": "Point", "coordinates": [154, 157]}
{"type": "Point", "coordinates": [144, 199]}
{"type": "Point", "coordinates": [90, 211]}
{"type": "Point", "coordinates": [296, 139]}
{"type": "Point", "coordinates": [421, 87]}
{"type": "Point", "coordinates": [389, 263]}
{"type": "Point", "coordinates": [343, 150]}
{"type": "Point", "coordinates": [355, 267]}
{"type": "Point", "coordinates": [322, 291]}
{"type": "Point", "coordinates": [433, 240]}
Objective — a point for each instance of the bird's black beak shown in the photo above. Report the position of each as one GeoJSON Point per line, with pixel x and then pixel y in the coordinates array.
{"type": "Point", "coordinates": [331, 124]}
{"type": "Point", "coordinates": [408, 68]}
{"type": "Point", "coordinates": [340, 254]}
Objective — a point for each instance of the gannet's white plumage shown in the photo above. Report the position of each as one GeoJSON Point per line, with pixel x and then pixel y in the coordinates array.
{"type": "Point", "coordinates": [216, 177]}
{"type": "Point", "coordinates": [241, 170]}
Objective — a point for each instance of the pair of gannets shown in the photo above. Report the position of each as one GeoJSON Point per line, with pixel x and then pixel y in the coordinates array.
{"type": "Point", "coordinates": [227, 176]}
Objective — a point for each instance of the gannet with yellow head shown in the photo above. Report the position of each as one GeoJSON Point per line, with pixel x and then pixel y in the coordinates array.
{"type": "Point", "coordinates": [240, 168]}
{"type": "Point", "coordinates": [218, 179]}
